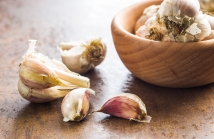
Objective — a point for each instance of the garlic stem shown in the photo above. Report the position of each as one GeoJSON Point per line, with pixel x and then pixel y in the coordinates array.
{"type": "Point", "coordinates": [79, 80]}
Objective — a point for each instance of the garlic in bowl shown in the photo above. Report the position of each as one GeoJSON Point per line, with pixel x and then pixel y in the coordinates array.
{"type": "Point", "coordinates": [163, 63]}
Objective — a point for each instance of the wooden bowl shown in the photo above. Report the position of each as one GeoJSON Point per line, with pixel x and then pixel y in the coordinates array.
{"type": "Point", "coordinates": [168, 64]}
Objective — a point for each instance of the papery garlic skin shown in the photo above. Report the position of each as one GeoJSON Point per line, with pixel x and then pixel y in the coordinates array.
{"type": "Point", "coordinates": [75, 104]}
{"type": "Point", "coordinates": [182, 19]}
{"type": "Point", "coordinates": [128, 106]}
{"type": "Point", "coordinates": [42, 95]}
{"type": "Point", "coordinates": [81, 57]}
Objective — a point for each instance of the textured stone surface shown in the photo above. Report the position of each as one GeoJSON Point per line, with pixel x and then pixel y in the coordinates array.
{"type": "Point", "coordinates": [176, 113]}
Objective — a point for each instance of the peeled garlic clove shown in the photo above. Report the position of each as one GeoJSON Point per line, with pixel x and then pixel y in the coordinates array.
{"type": "Point", "coordinates": [82, 56]}
{"type": "Point", "coordinates": [75, 104]}
{"type": "Point", "coordinates": [128, 106]}
{"type": "Point", "coordinates": [36, 74]}
{"type": "Point", "coordinates": [43, 95]}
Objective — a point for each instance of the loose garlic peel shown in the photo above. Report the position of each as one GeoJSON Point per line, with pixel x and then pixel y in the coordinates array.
{"type": "Point", "coordinates": [82, 56]}
{"type": "Point", "coordinates": [128, 106]}
{"type": "Point", "coordinates": [177, 20]}
{"type": "Point", "coordinates": [75, 104]}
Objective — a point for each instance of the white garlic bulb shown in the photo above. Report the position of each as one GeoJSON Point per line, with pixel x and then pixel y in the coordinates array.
{"type": "Point", "coordinates": [75, 104]}
{"type": "Point", "coordinates": [82, 56]}
{"type": "Point", "coordinates": [147, 13]}
{"type": "Point", "coordinates": [207, 5]}
{"type": "Point", "coordinates": [183, 22]}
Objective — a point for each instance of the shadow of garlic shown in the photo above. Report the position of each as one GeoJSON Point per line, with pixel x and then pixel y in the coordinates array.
{"type": "Point", "coordinates": [128, 106]}
{"type": "Point", "coordinates": [82, 56]}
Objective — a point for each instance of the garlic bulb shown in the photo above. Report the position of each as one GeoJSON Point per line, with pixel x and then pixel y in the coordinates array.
{"type": "Point", "coordinates": [147, 13]}
{"type": "Point", "coordinates": [207, 5]}
{"type": "Point", "coordinates": [82, 56]}
{"type": "Point", "coordinates": [128, 106]}
{"type": "Point", "coordinates": [75, 104]}
{"type": "Point", "coordinates": [43, 95]}
{"type": "Point", "coordinates": [177, 20]}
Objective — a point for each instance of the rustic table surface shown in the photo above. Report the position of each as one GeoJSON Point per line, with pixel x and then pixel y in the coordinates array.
{"type": "Point", "coordinates": [176, 113]}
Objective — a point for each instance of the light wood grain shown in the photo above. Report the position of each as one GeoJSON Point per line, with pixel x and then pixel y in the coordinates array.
{"type": "Point", "coordinates": [168, 64]}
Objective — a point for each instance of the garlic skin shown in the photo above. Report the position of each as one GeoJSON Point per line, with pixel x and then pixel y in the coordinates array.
{"type": "Point", "coordinates": [75, 104]}
{"type": "Point", "coordinates": [36, 95]}
{"type": "Point", "coordinates": [81, 57]}
{"type": "Point", "coordinates": [147, 13]}
{"type": "Point", "coordinates": [183, 22]}
{"type": "Point", "coordinates": [128, 106]}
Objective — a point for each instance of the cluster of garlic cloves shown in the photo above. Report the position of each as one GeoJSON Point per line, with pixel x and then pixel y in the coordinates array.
{"type": "Point", "coordinates": [43, 79]}
{"type": "Point", "coordinates": [81, 57]}
{"type": "Point", "coordinates": [128, 106]}
{"type": "Point", "coordinates": [176, 20]}
{"type": "Point", "coordinates": [75, 105]}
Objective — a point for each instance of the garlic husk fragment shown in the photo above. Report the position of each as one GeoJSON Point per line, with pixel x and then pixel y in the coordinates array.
{"type": "Point", "coordinates": [38, 71]}
{"type": "Point", "coordinates": [43, 95]}
{"type": "Point", "coordinates": [128, 106]}
{"type": "Point", "coordinates": [183, 22]}
{"type": "Point", "coordinates": [75, 104]}
{"type": "Point", "coordinates": [80, 56]}
{"type": "Point", "coordinates": [147, 13]}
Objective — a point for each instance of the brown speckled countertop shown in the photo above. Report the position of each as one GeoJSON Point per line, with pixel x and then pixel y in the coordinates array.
{"type": "Point", "coordinates": [176, 113]}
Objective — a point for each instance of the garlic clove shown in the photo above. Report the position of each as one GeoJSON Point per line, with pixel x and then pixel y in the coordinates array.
{"type": "Point", "coordinates": [128, 106]}
{"type": "Point", "coordinates": [43, 95]}
{"type": "Point", "coordinates": [39, 71]}
{"type": "Point", "coordinates": [82, 56]}
{"type": "Point", "coordinates": [36, 74]}
{"type": "Point", "coordinates": [75, 104]}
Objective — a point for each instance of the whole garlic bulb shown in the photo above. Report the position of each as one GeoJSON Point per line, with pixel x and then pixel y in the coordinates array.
{"type": "Point", "coordinates": [207, 5]}
{"type": "Point", "coordinates": [75, 104]}
{"type": "Point", "coordinates": [183, 22]}
{"type": "Point", "coordinates": [147, 13]}
{"type": "Point", "coordinates": [82, 56]}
